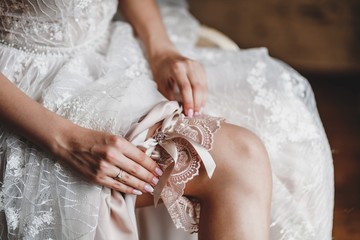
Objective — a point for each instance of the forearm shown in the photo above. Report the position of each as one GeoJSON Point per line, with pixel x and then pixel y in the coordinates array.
{"type": "Point", "coordinates": [30, 119]}
{"type": "Point", "coordinates": [144, 16]}
{"type": "Point", "coordinates": [95, 155]}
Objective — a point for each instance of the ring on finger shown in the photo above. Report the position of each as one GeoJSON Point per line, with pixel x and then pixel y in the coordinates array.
{"type": "Point", "coordinates": [120, 174]}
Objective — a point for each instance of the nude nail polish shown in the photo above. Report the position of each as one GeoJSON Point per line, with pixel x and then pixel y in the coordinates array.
{"type": "Point", "coordinates": [155, 180]}
{"type": "Point", "coordinates": [196, 114]}
{"type": "Point", "coordinates": [137, 192]}
{"type": "Point", "coordinates": [190, 113]}
{"type": "Point", "coordinates": [158, 171]}
{"type": "Point", "coordinates": [149, 188]}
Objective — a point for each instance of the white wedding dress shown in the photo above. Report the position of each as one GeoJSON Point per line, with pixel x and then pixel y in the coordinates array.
{"type": "Point", "coordinates": [74, 59]}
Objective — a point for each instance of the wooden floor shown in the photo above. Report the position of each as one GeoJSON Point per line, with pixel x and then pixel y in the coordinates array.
{"type": "Point", "coordinates": [338, 99]}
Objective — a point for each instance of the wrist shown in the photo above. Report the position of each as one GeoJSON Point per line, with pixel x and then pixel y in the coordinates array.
{"type": "Point", "coordinates": [157, 55]}
{"type": "Point", "coordinates": [158, 47]}
{"type": "Point", "coordinates": [62, 136]}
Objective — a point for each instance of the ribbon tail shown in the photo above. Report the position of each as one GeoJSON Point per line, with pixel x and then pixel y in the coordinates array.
{"type": "Point", "coordinates": [203, 153]}
{"type": "Point", "coordinates": [170, 148]}
{"type": "Point", "coordinates": [162, 182]}
{"type": "Point", "coordinates": [205, 156]}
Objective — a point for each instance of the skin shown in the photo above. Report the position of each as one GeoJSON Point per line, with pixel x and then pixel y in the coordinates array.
{"type": "Point", "coordinates": [242, 162]}
{"type": "Point", "coordinates": [168, 66]}
{"type": "Point", "coordinates": [235, 202]}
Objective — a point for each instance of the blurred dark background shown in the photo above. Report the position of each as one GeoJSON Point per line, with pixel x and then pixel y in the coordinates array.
{"type": "Point", "coordinates": [320, 39]}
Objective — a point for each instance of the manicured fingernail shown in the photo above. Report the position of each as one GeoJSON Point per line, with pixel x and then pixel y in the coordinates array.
{"type": "Point", "coordinates": [158, 171]}
{"type": "Point", "coordinates": [190, 113]}
{"type": "Point", "coordinates": [137, 192]}
{"type": "Point", "coordinates": [155, 180]}
{"type": "Point", "coordinates": [196, 113]}
{"type": "Point", "coordinates": [149, 188]}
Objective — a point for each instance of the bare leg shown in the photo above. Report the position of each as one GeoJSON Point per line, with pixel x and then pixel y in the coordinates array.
{"type": "Point", "coordinates": [235, 202]}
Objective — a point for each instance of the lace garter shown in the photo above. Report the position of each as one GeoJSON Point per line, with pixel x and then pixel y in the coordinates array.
{"type": "Point", "coordinates": [178, 146]}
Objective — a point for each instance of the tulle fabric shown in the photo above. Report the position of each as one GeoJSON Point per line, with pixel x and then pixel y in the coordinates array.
{"type": "Point", "coordinates": [104, 83]}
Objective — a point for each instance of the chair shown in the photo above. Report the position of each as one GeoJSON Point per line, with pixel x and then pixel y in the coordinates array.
{"type": "Point", "coordinates": [210, 37]}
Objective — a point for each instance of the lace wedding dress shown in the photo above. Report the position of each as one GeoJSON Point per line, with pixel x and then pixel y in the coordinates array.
{"type": "Point", "coordinates": [72, 58]}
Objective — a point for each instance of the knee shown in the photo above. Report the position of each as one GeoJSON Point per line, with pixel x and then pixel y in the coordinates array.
{"type": "Point", "coordinates": [243, 159]}
{"type": "Point", "coordinates": [250, 149]}
{"type": "Point", "coordinates": [235, 145]}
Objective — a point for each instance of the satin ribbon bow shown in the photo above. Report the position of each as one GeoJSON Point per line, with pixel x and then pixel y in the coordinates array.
{"type": "Point", "coordinates": [165, 137]}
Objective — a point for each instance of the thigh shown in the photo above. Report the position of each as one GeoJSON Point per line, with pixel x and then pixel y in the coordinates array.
{"type": "Point", "coordinates": [229, 139]}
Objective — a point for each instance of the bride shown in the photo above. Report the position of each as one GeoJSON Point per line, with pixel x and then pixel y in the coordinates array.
{"type": "Point", "coordinates": [98, 117]}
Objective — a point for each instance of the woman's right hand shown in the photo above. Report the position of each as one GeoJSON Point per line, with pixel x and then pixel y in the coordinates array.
{"type": "Point", "coordinates": [100, 157]}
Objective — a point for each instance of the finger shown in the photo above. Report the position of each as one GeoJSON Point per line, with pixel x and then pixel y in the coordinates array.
{"type": "Point", "coordinates": [130, 180]}
{"type": "Point", "coordinates": [136, 170]}
{"type": "Point", "coordinates": [120, 147]}
{"type": "Point", "coordinates": [198, 90]}
{"type": "Point", "coordinates": [199, 75]}
{"type": "Point", "coordinates": [102, 170]}
{"type": "Point", "coordinates": [206, 88]}
{"type": "Point", "coordinates": [120, 161]}
{"type": "Point", "coordinates": [106, 170]}
{"type": "Point", "coordinates": [185, 92]}
{"type": "Point", "coordinates": [142, 159]}
{"type": "Point", "coordinates": [136, 162]}
{"type": "Point", "coordinates": [119, 186]}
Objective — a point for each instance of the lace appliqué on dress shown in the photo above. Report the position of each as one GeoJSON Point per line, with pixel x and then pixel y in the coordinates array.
{"type": "Point", "coordinates": [185, 211]}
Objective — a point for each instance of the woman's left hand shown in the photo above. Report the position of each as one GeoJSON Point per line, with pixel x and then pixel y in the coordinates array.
{"type": "Point", "coordinates": [171, 69]}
